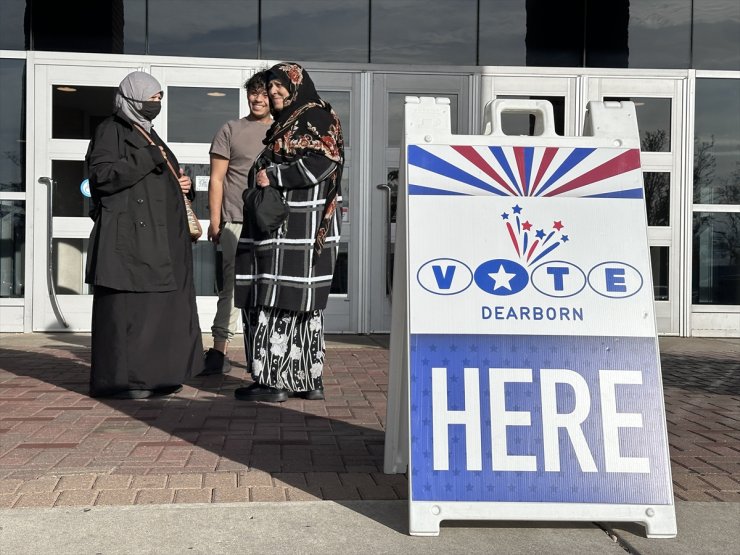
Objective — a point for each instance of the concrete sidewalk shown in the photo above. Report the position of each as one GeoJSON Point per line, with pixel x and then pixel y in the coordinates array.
{"type": "Point", "coordinates": [181, 474]}
{"type": "Point", "coordinates": [341, 527]}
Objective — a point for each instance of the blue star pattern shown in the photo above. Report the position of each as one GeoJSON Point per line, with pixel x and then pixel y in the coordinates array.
{"type": "Point", "coordinates": [571, 484]}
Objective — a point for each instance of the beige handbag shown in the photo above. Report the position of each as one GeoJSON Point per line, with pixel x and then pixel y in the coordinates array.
{"type": "Point", "coordinates": [193, 224]}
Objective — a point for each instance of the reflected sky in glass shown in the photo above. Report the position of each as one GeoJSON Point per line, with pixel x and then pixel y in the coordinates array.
{"type": "Point", "coordinates": [217, 28]}
{"type": "Point", "coordinates": [502, 28]}
{"type": "Point", "coordinates": [12, 36]}
{"type": "Point", "coordinates": [717, 34]}
{"type": "Point", "coordinates": [316, 30]}
{"type": "Point", "coordinates": [717, 141]}
{"type": "Point", "coordinates": [134, 26]}
{"type": "Point", "coordinates": [417, 31]}
{"type": "Point", "coordinates": [659, 33]}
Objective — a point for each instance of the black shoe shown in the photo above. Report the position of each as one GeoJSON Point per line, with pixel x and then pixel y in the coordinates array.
{"type": "Point", "coordinates": [132, 394]}
{"type": "Point", "coordinates": [215, 362]}
{"type": "Point", "coordinates": [311, 395]}
{"type": "Point", "coordinates": [259, 392]}
{"type": "Point", "coordinates": [168, 390]}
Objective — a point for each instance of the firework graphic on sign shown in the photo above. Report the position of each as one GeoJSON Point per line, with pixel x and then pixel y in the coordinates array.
{"type": "Point", "coordinates": [532, 243]}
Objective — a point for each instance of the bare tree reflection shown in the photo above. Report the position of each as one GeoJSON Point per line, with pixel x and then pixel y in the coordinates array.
{"type": "Point", "coordinates": [716, 235]}
{"type": "Point", "coordinates": [657, 184]}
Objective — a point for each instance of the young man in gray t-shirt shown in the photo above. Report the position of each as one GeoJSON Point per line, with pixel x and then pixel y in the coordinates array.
{"type": "Point", "coordinates": [233, 151]}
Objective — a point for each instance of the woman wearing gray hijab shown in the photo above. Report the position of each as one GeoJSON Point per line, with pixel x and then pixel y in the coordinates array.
{"type": "Point", "coordinates": [146, 338]}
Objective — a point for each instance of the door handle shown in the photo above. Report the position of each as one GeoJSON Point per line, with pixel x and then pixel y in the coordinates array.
{"type": "Point", "coordinates": [50, 183]}
{"type": "Point", "coordinates": [388, 255]}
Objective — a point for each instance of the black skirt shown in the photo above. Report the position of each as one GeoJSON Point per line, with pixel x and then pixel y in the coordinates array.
{"type": "Point", "coordinates": [149, 340]}
{"type": "Point", "coordinates": [143, 340]}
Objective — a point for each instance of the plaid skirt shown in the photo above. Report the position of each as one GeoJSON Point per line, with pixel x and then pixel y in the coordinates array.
{"type": "Point", "coordinates": [285, 349]}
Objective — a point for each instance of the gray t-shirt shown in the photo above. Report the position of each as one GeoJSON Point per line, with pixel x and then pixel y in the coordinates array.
{"type": "Point", "coordinates": [240, 142]}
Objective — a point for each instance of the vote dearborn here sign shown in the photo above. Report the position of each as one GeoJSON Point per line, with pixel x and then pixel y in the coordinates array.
{"type": "Point", "coordinates": [534, 376]}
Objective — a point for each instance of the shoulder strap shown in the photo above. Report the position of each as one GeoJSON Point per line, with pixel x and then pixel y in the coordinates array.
{"type": "Point", "coordinates": [151, 142]}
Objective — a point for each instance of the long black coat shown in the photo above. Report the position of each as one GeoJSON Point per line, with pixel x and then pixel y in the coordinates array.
{"type": "Point", "coordinates": [129, 249]}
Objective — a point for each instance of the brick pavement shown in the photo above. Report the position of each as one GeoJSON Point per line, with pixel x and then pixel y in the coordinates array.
{"type": "Point", "coordinates": [58, 447]}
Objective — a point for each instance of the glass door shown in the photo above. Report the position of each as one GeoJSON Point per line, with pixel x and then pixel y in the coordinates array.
{"type": "Point", "coordinates": [197, 102]}
{"type": "Point", "coordinates": [659, 106]}
{"type": "Point", "coordinates": [389, 92]}
{"type": "Point", "coordinates": [342, 91]}
{"type": "Point", "coordinates": [69, 102]}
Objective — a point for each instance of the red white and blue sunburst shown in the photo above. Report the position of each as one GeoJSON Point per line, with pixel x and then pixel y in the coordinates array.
{"type": "Point", "coordinates": [524, 171]}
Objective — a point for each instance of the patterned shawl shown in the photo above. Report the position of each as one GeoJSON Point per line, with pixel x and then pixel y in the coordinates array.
{"type": "Point", "coordinates": [306, 124]}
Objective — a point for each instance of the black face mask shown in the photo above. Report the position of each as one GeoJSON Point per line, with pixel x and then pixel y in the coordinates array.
{"type": "Point", "coordinates": [150, 109]}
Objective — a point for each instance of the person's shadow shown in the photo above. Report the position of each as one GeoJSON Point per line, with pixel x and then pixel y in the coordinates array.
{"type": "Point", "coordinates": [331, 450]}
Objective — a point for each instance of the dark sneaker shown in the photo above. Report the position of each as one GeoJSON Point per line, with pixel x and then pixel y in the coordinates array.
{"type": "Point", "coordinates": [259, 392]}
{"type": "Point", "coordinates": [312, 395]}
{"type": "Point", "coordinates": [215, 362]}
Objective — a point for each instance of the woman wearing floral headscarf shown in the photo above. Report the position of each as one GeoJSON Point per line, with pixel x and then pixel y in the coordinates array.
{"type": "Point", "coordinates": [145, 334]}
{"type": "Point", "coordinates": [284, 276]}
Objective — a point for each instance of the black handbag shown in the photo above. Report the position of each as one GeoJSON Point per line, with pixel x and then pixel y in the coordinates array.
{"type": "Point", "coordinates": [265, 208]}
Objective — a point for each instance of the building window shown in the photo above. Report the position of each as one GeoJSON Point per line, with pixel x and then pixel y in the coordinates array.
{"type": "Point", "coordinates": [316, 30]}
{"type": "Point", "coordinates": [716, 34]}
{"type": "Point", "coordinates": [12, 125]}
{"type": "Point", "coordinates": [12, 248]}
{"type": "Point", "coordinates": [12, 176]}
{"type": "Point", "coordinates": [716, 176]}
{"type": "Point", "coordinates": [213, 29]}
{"type": "Point", "coordinates": [413, 32]}
{"type": "Point", "coordinates": [195, 114]}
{"type": "Point", "coordinates": [12, 25]}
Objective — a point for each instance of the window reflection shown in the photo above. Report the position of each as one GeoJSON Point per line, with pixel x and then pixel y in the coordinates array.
{"type": "Point", "coordinates": [717, 142]}
{"type": "Point", "coordinates": [555, 32]}
{"type": "Point", "coordinates": [659, 258]}
{"type": "Point", "coordinates": [410, 31]}
{"type": "Point", "coordinates": [392, 182]}
{"type": "Point", "coordinates": [12, 125]}
{"type": "Point", "coordinates": [653, 26]}
{"type": "Point", "coordinates": [68, 266]}
{"type": "Point", "coordinates": [12, 34]}
{"type": "Point", "coordinates": [396, 103]}
{"type": "Point", "coordinates": [345, 200]}
{"type": "Point", "coordinates": [340, 101]}
{"type": "Point", "coordinates": [195, 114]}
{"type": "Point", "coordinates": [523, 124]}
{"type": "Point", "coordinates": [341, 271]}
{"type": "Point", "coordinates": [12, 248]}
{"type": "Point", "coordinates": [77, 110]}
{"type": "Point", "coordinates": [653, 121]}
{"type": "Point", "coordinates": [112, 27]}
{"type": "Point", "coordinates": [199, 174]}
{"type": "Point", "coordinates": [336, 34]}
{"type": "Point", "coordinates": [205, 257]}
{"type": "Point", "coordinates": [67, 200]}
{"type": "Point", "coordinates": [657, 197]}
{"type": "Point", "coordinates": [716, 34]}
{"type": "Point", "coordinates": [215, 29]}
{"type": "Point", "coordinates": [502, 28]}
{"type": "Point", "coordinates": [716, 263]}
